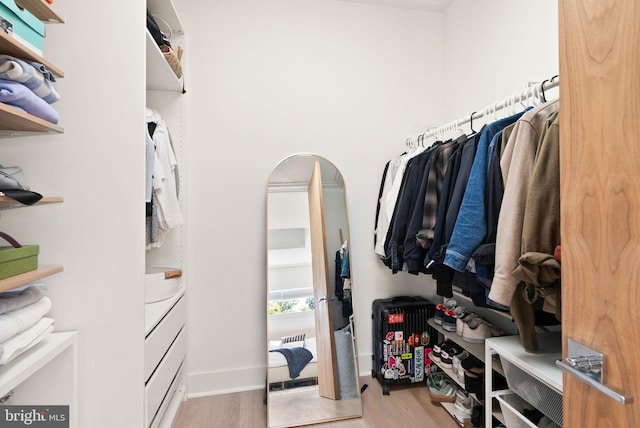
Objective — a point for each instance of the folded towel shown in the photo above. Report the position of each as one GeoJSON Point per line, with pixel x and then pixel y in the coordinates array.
{"type": "Point", "coordinates": [19, 320]}
{"type": "Point", "coordinates": [297, 359]}
{"type": "Point", "coordinates": [21, 342]}
{"type": "Point", "coordinates": [12, 300]}
{"type": "Point", "coordinates": [22, 71]}
{"type": "Point", "coordinates": [16, 94]}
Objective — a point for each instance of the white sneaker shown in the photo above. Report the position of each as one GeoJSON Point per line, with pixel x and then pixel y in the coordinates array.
{"type": "Point", "coordinates": [477, 330]}
{"type": "Point", "coordinates": [457, 359]}
{"type": "Point", "coordinates": [463, 407]}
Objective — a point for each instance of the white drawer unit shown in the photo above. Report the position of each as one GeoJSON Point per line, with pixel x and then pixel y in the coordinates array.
{"type": "Point", "coordinates": [158, 386]}
{"type": "Point", "coordinates": [160, 338]}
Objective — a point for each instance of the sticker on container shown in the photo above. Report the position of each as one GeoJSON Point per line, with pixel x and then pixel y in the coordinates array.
{"type": "Point", "coordinates": [395, 319]}
{"type": "Point", "coordinates": [392, 362]}
{"type": "Point", "coordinates": [399, 335]}
{"type": "Point", "coordinates": [424, 338]}
{"type": "Point", "coordinates": [390, 335]}
{"type": "Point", "coordinates": [419, 364]}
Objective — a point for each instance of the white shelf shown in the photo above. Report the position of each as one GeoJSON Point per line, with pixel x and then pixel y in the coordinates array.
{"type": "Point", "coordinates": [25, 365]}
{"type": "Point", "coordinates": [167, 12]}
{"type": "Point", "coordinates": [451, 408]}
{"type": "Point", "coordinates": [540, 364]}
{"type": "Point", "coordinates": [449, 372]}
{"type": "Point", "coordinates": [160, 76]}
{"type": "Point", "coordinates": [475, 349]}
{"type": "Point", "coordinates": [154, 312]}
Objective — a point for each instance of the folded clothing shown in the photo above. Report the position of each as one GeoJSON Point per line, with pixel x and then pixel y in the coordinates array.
{"type": "Point", "coordinates": [25, 340]}
{"type": "Point", "coordinates": [12, 300]}
{"type": "Point", "coordinates": [25, 72]}
{"type": "Point", "coordinates": [17, 321]}
{"type": "Point", "coordinates": [17, 95]}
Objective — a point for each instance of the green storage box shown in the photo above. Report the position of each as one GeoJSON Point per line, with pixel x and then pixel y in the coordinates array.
{"type": "Point", "coordinates": [26, 27]}
{"type": "Point", "coordinates": [14, 261]}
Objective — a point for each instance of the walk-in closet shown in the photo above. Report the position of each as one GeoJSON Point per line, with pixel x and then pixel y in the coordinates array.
{"type": "Point", "coordinates": [349, 213]}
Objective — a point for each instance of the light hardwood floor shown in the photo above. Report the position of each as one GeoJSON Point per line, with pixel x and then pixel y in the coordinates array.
{"type": "Point", "coordinates": [406, 407]}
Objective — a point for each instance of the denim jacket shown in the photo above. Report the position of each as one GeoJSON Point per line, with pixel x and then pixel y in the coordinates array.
{"type": "Point", "coordinates": [471, 224]}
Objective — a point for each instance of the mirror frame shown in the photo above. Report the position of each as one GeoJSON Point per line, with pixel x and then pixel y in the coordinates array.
{"type": "Point", "coordinates": [338, 414]}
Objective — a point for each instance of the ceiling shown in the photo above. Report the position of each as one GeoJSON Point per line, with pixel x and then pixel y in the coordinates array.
{"type": "Point", "coordinates": [430, 5]}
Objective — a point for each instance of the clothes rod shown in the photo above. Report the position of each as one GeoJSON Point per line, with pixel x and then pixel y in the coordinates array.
{"type": "Point", "coordinates": [536, 91]}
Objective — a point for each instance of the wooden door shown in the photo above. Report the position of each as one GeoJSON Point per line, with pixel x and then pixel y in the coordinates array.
{"type": "Point", "coordinates": [600, 202]}
{"type": "Point", "coordinates": [327, 370]}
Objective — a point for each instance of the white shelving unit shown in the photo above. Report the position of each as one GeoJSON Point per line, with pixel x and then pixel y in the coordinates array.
{"type": "Point", "coordinates": [46, 374]}
{"type": "Point", "coordinates": [540, 366]}
{"type": "Point", "coordinates": [165, 329]}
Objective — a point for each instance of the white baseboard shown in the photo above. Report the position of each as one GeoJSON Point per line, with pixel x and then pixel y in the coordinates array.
{"type": "Point", "coordinates": [220, 382]}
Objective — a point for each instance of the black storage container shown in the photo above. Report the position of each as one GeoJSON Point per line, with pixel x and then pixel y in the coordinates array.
{"type": "Point", "coordinates": [401, 336]}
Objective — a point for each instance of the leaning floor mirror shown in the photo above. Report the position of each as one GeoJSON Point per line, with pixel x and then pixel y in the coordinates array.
{"type": "Point", "coordinates": [312, 370]}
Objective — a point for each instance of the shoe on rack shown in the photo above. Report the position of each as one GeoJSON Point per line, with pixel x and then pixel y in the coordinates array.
{"type": "Point", "coordinates": [450, 304]}
{"type": "Point", "coordinates": [463, 406]}
{"type": "Point", "coordinates": [439, 314]}
{"type": "Point", "coordinates": [442, 388]}
{"type": "Point", "coordinates": [436, 352]}
{"type": "Point", "coordinates": [446, 360]}
{"type": "Point", "coordinates": [449, 321]}
{"type": "Point", "coordinates": [457, 358]}
{"type": "Point", "coordinates": [477, 416]}
{"type": "Point", "coordinates": [477, 330]}
{"type": "Point", "coordinates": [462, 316]}
{"type": "Point", "coordinates": [474, 383]}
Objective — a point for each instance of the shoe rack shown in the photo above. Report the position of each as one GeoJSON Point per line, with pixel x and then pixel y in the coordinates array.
{"type": "Point", "coordinates": [475, 349]}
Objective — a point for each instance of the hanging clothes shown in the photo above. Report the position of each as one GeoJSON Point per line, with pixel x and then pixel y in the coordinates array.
{"type": "Point", "coordinates": [166, 206]}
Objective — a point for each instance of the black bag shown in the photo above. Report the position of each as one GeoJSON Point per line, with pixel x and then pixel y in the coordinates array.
{"type": "Point", "coordinates": [158, 36]}
{"type": "Point", "coordinates": [401, 336]}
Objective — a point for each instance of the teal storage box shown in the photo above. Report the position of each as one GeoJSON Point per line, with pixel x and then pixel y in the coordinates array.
{"type": "Point", "coordinates": [26, 27]}
{"type": "Point", "coordinates": [14, 261]}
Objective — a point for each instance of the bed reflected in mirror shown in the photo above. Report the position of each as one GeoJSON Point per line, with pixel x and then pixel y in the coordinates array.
{"type": "Point", "coordinates": [312, 373]}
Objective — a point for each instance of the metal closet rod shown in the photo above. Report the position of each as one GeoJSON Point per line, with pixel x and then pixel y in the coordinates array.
{"type": "Point", "coordinates": [533, 91]}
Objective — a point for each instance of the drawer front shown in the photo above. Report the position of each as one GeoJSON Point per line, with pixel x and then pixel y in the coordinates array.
{"type": "Point", "coordinates": [159, 340]}
{"type": "Point", "coordinates": [161, 380]}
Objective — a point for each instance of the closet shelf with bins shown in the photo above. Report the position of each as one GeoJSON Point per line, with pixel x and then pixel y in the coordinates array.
{"type": "Point", "coordinates": [533, 378]}
{"type": "Point", "coordinates": [17, 122]}
{"type": "Point", "coordinates": [160, 76]}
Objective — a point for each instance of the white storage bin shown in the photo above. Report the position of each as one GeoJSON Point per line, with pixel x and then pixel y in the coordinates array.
{"type": "Point", "coordinates": [161, 283]}
{"type": "Point", "coordinates": [512, 407]}
{"type": "Point", "coordinates": [538, 394]}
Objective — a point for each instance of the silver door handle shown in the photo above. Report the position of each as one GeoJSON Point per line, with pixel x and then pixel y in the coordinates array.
{"type": "Point", "coordinates": [326, 298]}
{"type": "Point", "coordinates": [587, 365]}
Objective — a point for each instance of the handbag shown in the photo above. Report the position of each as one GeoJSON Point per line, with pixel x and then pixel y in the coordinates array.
{"type": "Point", "coordinates": [13, 186]}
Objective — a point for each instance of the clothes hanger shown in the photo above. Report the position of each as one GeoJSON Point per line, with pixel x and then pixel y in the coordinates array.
{"type": "Point", "coordinates": [473, 131]}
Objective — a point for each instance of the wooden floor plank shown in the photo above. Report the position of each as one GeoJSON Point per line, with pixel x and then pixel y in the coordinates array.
{"type": "Point", "coordinates": [404, 407]}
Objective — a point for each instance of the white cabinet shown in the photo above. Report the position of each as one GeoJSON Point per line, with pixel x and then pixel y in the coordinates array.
{"type": "Point", "coordinates": [533, 378]}
{"type": "Point", "coordinates": [165, 321]}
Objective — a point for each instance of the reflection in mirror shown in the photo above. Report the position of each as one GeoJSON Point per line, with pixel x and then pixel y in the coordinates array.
{"type": "Point", "coordinates": [312, 373]}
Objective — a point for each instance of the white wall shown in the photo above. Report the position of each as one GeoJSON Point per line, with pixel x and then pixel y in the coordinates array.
{"type": "Point", "coordinates": [493, 48]}
{"type": "Point", "coordinates": [97, 234]}
{"type": "Point", "coordinates": [345, 80]}
{"type": "Point", "coordinates": [266, 80]}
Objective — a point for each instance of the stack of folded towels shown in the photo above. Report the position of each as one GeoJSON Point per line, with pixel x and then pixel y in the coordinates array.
{"type": "Point", "coordinates": [22, 320]}
{"type": "Point", "coordinates": [28, 86]}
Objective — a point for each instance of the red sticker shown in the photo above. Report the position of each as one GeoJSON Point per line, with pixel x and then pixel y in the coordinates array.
{"type": "Point", "coordinates": [390, 335]}
{"type": "Point", "coordinates": [396, 318]}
